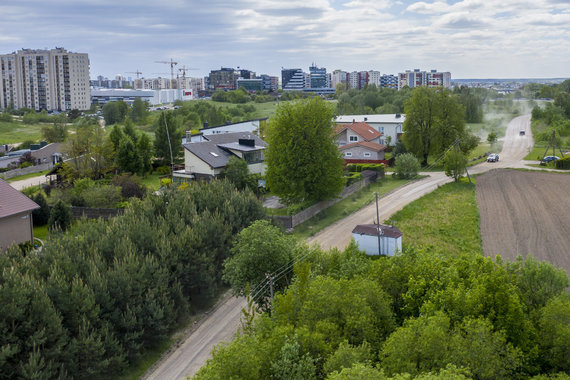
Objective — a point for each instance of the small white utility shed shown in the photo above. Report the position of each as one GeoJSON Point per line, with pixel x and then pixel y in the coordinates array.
{"type": "Point", "coordinates": [366, 235]}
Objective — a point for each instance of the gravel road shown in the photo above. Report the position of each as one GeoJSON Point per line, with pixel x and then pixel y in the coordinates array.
{"type": "Point", "coordinates": [222, 324]}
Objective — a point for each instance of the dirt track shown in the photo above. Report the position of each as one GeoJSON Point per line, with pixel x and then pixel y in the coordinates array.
{"type": "Point", "coordinates": [525, 213]}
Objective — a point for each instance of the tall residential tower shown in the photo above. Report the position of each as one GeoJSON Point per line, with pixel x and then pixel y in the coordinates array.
{"type": "Point", "coordinates": [45, 80]}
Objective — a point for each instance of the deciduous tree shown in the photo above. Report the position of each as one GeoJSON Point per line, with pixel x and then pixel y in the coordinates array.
{"type": "Point", "coordinates": [303, 161]}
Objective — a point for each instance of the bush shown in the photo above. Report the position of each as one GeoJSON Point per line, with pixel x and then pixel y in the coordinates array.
{"type": "Point", "coordinates": [40, 216]}
{"type": "Point", "coordinates": [60, 217]}
{"type": "Point", "coordinates": [407, 165]}
{"type": "Point", "coordinates": [563, 163]}
{"type": "Point", "coordinates": [353, 177]}
{"type": "Point", "coordinates": [130, 186]}
{"type": "Point", "coordinates": [163, 170]}
{"type": "Point", "coordinates": [360, 167]}
{"type": "Point", "coordinates": [104, 196]}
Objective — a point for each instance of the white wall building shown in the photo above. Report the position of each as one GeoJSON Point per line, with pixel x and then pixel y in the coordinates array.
{"type": "Point", "coordinates": [45, 80]}
{"type": "Point", "coordinates": [374, 78]}
{"type": "Point", "coordinates": [366, 235]}
{"type": "Point", "coordinates": [387, 124]}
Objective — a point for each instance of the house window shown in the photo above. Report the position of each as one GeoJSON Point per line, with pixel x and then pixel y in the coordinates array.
{"type": "Point", "coordinates": [348, 154]}
{"type": "Point", "coordinates": [366, 154]}
{"type": "Point", "coordinates": [353, 138]}
{"type": "Point", "coordinates": [381, 129]}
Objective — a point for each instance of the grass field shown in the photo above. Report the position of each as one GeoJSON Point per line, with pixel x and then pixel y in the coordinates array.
{"type": "Point", "coordinates": [347, 206]}
{"type": "Point", "coordinates": [26, 176]}
{"type": "Point", "coordinates": [16, 131]}
{"type": "Point", "coordinates": [41, 232]}
{"type": "Point", "coordinates": [444, 221]}
{"type": "Point", "coordinates": [151, 181]}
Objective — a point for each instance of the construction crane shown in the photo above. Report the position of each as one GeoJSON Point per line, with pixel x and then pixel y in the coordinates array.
{"type": "Point", "coordinates": [134, 72]}
{"type": "Point", "coordinates": [183, 70]}
{"type": "Point", "coordinates": [172, 64]}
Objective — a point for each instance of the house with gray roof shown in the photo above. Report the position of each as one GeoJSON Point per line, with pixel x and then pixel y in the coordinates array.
{"type": "Point", "coordinates": [208, 158]}
{"type": "Point", "coordinates": [15, 216]}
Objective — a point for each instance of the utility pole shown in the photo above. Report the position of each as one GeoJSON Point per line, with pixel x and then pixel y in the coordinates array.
{"type": "Point", "coordinates": [270, 278]}
{"type": "Point", "coordinates": [379, 230]}
{"type": "Point", "coordinates": [169, 146]}
{"type": "Point", "coordinates": [554, 143]}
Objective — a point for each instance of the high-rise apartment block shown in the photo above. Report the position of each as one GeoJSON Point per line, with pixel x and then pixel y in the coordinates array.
{"type": "Point", "coordinates": [419, 78]}
{"type": "Point", "coordinates": [45, 80]}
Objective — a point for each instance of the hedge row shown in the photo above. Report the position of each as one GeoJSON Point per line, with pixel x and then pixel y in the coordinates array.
{"type": "Point", "coordinates": [563, 163]}
{"type": "Point", "coordinates": [361, 167]}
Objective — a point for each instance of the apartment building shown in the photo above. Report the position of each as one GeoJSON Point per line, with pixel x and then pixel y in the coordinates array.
{"type": "Point", "coordinates": [45, 80]}
{"type": "Point", "coordinates": [419, 78]}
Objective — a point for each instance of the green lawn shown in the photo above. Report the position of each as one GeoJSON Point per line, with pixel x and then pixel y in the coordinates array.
{"type": "Point", "coordinates": [151, 181]}
{"type": "Point", "coordinates": [16, 131]}
{"type": "Point", "coordinates": [445, 221]}
{"type": "Point", "coordinates": [537, 153]}
{"type": "Point", "coordinates": [347, 206]}
{"type": "Point", "coordinates": [41, 232]}
{"type": "Point", "coordinates": [26, 176]}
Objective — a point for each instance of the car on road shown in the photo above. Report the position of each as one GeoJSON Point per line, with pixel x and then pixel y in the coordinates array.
{"type": "Point", "coordinates": [549, 159]}
{"type": "Point", "coordinates": [493, 157]}
{"type": "Point", "coordinates": [522, 132]}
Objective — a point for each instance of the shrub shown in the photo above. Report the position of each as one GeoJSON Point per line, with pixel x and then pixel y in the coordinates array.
{"type": "Point", "coordinates": [106, 196]}
{"type": "Point", "coordinates": [130, 186]}
{"type": "Point", "coordinates": [60, 217]}
{"type": "Point", "coordinates": [563, 163]}
{"type": "Point", "coordinates": [407, 165]}
{"type": "Point", "coordinates": [40, 216]}
{"type": "Point", "coordinates": [353, 177]}
{"type": "Point", "coordinates": [163, 170]}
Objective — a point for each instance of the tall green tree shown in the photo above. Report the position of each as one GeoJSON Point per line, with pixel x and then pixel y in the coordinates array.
{"type": "Point", "coordinates": [128, 159]}
{"type": "Point", "coordinates": [115, 112]}
{"type": "Point", "coordinates": [303, 161]}
{"type": "Point", "coordinates": [60, 217]}
{"type": "Point", "coordinates": [167, 126]}
{"type": "Point", "coordinates": [434, 120]}
{"type": "Point", "coordinates": [138, 111]}
{"type": "Point", "coordinates": [237, 172]}
{"type": "Point", "coordinates": [454, 164]}
{"type": "Point", "coordinates": [144, 150]}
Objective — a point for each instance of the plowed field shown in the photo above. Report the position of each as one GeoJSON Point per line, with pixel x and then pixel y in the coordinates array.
{"type": "Point", "coordinates": [525, 213]}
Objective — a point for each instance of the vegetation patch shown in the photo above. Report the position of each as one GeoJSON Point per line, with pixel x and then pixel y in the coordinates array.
{"type": "Point", "coordinates": [444, 221]}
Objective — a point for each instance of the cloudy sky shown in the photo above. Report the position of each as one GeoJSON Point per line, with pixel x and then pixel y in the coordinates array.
{"type": "Point", "coordinates": [469, 38]}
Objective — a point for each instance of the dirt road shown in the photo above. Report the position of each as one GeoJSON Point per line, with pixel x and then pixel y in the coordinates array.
{"type": "Point", "coordinates": [222, 324]}
{"type": "Point", "coordinates": [525, 213]}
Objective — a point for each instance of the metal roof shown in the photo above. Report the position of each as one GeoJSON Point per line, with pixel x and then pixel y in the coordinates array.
{"type": "Point", "coordinates": [371, 230]}
{"type": "Point", "coordinates": [381, 118]}
{"type": "Point", "coordinates": [13, 202]}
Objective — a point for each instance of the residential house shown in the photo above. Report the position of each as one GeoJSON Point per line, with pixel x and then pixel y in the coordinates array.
{"type": "Point", "coordinates": [253, 126]}
{"type": "Point", "coordinates": [206, 159]}
{"type": "Point", "coordinates": [390, 125]}
{"type": "Point", "coordinates": [360, 143]}
{"type": "Point", "coordinates": [366, 235]}
{"type": "Point", "coordinates": [15, 216]}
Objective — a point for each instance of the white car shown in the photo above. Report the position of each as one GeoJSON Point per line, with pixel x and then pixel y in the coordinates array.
{"type": "Point", "coordinates": [493, 157]}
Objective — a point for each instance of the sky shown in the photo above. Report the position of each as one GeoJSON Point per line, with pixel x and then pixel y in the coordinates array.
{"type": "Point", "coordinates": [469, 38]}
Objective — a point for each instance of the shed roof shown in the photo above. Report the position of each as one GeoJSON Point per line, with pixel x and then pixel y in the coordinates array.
{"type": "Point", "coordinates": [13, 202]}
{"type": "Point", "coordinates": [371, 230]}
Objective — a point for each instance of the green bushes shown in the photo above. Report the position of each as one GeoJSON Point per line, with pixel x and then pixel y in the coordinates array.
{"type": "Point", "coordinates": [95, 298]}
{"type": "Point", "coordinates": [563, 163]}
{"type": "Point", "coordinates": [361, 167]}
{"type": "Point", "coordinates": [406, 165]}
{"type": "Point", "coordinates": [353, 177]}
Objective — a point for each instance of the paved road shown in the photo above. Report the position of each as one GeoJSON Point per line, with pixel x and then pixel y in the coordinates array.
{"type": "Point", "coordinates": [20, 185]}
{"type": "Point", "coordinates": [223, 323]}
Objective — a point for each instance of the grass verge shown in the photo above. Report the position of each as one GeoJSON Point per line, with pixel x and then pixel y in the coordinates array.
{"type": "Point", "coordinates": [41, 232]}
{"type": "Point", "coordinates": [16, 131]}
{"type": "Point", "coordinates": [445, 221]}
{"type": "Point", "coordinates": [347, 206]}
{"type": "Point", "coordinates": [26, 176]}
{"type": "Point", "coordinates": [151, 181]}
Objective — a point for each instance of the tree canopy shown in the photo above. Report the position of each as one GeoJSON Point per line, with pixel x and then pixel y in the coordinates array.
{"type": "Point", "coordinates": [303, 161]}
{"type": "Point", "coordinates": [434, 120]}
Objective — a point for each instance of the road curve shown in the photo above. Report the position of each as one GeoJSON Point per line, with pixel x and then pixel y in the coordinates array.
{"type": "Point", "coordinates": [223, 323]}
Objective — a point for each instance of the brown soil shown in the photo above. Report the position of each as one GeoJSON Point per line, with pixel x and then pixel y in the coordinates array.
{"type": "Point", "coordinates": [525, 213]}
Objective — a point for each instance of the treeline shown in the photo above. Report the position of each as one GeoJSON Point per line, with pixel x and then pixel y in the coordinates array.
{"type": "Point", "coordinates": [92, 300]}
{"type": "Point", "coordinates": [242, 96]}
{"type": "Point", "coordinates": [417, 315]}
{"type": "Point", "coordinates": [193, 115]}
{"type": "Point", "coordinates": [373, 100]}
{"type": "Point", "coordinates": [554, 116]}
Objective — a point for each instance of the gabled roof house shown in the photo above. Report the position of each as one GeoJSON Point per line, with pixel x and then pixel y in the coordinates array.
{"type": "Point", "coordinates": [360, 143]}
{"type": "Point", "coordinates": [15, 216]}
{"type": "Point", "coordinates": [208, 158]}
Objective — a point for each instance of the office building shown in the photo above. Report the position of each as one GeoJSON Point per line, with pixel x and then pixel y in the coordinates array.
{"type": "Point", "coordinates": [292, 79]}
{"type": "Point", "coordinates": [270, 83]}
{"type": "Point", "coordinates": [318, 77]}
{"type": "Point", "coordinates": [250, 85]}
{"type": "Point", "coordinates": [45, 80]}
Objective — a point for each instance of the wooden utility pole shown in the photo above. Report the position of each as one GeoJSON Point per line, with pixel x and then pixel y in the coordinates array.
{"type": "Point", "coordinates": [379, 230]}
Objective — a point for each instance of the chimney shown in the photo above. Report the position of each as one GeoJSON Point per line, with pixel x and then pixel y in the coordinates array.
{"type": "Point", "coordinates": [205, 124]}
{"type": "Point", "coordinates": [365, 119]}
{"type": "Point", "coordinates": [353, 121]}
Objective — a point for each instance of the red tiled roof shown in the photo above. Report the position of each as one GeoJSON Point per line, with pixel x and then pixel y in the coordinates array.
{"type": "Point", "coordinates": [366, 144]}
{"type": "Point", "coordinates": [13, 202]}
{"type": "Point", "coordinates": [371, 229]}
{"type": "Point", "coordinates": [362, 129]}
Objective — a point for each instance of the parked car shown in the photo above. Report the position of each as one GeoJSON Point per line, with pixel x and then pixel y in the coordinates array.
{"type": "Point", "coordinates": [493, 157]}
{"type": "Point", "coordinates": [549, 159]}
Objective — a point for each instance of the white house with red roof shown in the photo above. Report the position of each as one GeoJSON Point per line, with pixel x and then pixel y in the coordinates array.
{"type": "Point", "coordinates": [360, 143]}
